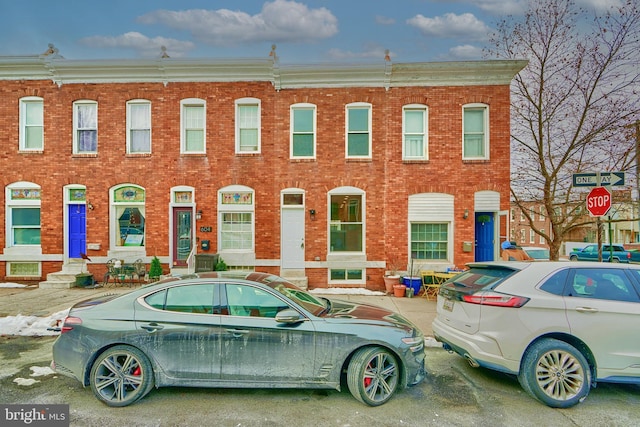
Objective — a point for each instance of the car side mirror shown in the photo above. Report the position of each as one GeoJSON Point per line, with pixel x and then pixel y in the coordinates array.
{"type": "Point", "coordinates": [289, 316]}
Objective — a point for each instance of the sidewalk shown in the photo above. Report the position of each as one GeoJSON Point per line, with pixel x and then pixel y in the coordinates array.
{"type": "Point", "coordinates": [33, 301]}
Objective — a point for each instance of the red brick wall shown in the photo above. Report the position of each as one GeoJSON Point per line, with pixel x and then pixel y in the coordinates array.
{"type": "Point", "coordinates": [386, 179]}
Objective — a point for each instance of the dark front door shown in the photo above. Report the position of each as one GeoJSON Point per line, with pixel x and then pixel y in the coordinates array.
{"type": "Point", "coordinates": [182, 235]}
{"type": "Point", "coordinates": [77, 230]}
{"type": "Point", "coordinates": [484, 236]}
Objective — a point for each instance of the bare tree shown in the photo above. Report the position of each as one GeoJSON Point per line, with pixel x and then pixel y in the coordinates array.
{"type": "Point", "coordinates": [572, 105]}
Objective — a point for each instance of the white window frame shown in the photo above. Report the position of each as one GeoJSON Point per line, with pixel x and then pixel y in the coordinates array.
{"type": "Point", "coordinates": [532, 236]}
{"type": "Point", "coordinates": [292, 133]}
{"type": "Point", "coordinates": [24, 104]}
{"type": "Point", "coordinates": [21, 202]}
{"type": "Point", "coordinates": [542, 239]}
{"type": "Point", "coordinates": [424, 155]}
{"type": "Point", "coordinates": [113, 218]}
{"type": "Point", "coordinates": [76, 129]}
{"type": "Point", "coordinates": [348, 191]}
{"type": "Point", "coordinates": [485, 133]}
{"type": "Point", "coordinates": [130, 126]}
{"type": "Point", "coordinates": [236, 208]}
{"type": "Point", "coordinates": [348, 109]}
{"type": "Point", "coordinates": [246, 102]}
{"type": "Point", "coordinates": [192, 102]}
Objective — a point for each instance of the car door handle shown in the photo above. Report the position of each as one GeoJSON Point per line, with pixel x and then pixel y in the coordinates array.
{"type": "Point", "coordinates": [152, 327]}
{"type": "Point", "coordinates": [237, 333]}
{"type": "Point", "coordinates": [586, 310]}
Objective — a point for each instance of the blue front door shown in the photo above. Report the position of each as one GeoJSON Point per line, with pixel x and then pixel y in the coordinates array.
{"type": "Point", "coordinates": [484, 236]}
{"type": "Point", "coordinates": [77, 230]}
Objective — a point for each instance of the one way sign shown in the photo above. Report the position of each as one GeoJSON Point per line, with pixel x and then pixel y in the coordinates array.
{"type": "Point", "coordinates": [590, 179]}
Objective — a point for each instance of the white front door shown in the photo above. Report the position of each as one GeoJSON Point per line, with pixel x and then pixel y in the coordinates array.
{"type": "Point", "coordinates": [292, 238]}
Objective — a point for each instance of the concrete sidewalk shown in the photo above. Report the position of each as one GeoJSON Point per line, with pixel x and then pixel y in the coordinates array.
{"type": "Point", "coordinates": [33, 301]}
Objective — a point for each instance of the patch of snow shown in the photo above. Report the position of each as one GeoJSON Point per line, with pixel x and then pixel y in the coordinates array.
{"type": "Point", "coordinates": [31, 325]}
{"type": "Point", "coordinates": [12, 285]}
{"type": "Point", "coordinates": [344, 291]}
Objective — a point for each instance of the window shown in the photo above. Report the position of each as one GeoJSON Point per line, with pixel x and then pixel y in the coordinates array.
{"type": "Point", "coordinates": [522, 235]}
{"type": "Point", "coordinates": [23, 214]}
{"type": "Point", "coordinates": [196, 299]}
{"type": "Point", "coordinates": [236, 217]}
{"type": "Point", "coordinates": [513, 214]}
{"type": "Point", "coordinates": [532, 236]}
{"type": "Point", "coordinates": [542, 240]}
{"type": "Point", "coordinates": [414, 130]}
{"type": "Point", "coordinates": [475, 124]}
{"type": "Point", "coordinates": [85, 127]}
{"type": "Point", "coordinates": [303, 131]}
{"type": "Point", "coordinates": [346, 224]}
{"type": "Point", "coordinates": [138, 126]}
{"type": "Point", "coordinates": [31, 124]}
{"type": "Point", "coordinates": [193, 126]}
{"type": "Point", "coordinates": [250, 301]}
{"type": "Point", "coordinates": [358, 130]}
{"type": "Point", "coordinates": [248, 125]}
{"type": "Point", "coordinates": [522, 217]}
{"type": "Point", "coordinates": [429, 241]}
{"type": "Point", "coordinates": [128, 217]}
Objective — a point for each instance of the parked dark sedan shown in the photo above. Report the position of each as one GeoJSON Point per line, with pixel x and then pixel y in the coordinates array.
{"type": "Point", "coordinates": [227, 329]}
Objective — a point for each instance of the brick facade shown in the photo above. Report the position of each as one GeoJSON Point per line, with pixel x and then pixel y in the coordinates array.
{"type": "Point", "coordinates": [386, 179]}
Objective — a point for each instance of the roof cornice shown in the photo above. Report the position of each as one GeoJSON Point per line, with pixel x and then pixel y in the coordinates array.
{"type": "Point", "coordinates": [167, 70]}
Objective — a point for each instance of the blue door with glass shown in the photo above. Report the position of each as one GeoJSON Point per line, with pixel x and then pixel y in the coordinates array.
{"type": "Point", "coordinates": [484, 236]}
{"type": "Point", "coordinates": [77, 230]}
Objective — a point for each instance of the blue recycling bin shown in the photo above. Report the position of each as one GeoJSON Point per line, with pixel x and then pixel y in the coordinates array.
{"type": "Point", "coordinates": [414, 283]}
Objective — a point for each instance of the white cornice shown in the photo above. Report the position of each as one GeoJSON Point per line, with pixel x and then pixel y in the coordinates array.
{"type": "Point", "coordinates": [166, 70]}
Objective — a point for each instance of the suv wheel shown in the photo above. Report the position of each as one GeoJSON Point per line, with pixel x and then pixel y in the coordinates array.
{"type": "Point", "coordinates": [555, 373]}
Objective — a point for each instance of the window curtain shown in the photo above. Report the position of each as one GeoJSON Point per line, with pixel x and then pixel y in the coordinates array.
{"type": "Point", "coordinates": [194, 128]}
{"type": "Point", "coordinates": [414, 133]}
{"type": "Point", "coordinates": [33, 125]}
{"type": "Point", "coordinates": [87, 128]}
{"type": "Point", "coordinates": [248, 127]}
{"type": "Point", "coordinates": [140, 128]}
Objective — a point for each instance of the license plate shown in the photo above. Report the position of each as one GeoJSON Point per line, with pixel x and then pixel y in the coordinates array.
{"type": "Point", "coordinates": [447, 305]}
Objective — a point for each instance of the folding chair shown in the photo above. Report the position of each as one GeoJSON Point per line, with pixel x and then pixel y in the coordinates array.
{"type": "Point", "coordinates": [430, 284]}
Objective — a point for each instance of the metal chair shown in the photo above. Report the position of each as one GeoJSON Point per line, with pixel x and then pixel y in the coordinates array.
{"type": "Point", "coordinates": [430, 284]}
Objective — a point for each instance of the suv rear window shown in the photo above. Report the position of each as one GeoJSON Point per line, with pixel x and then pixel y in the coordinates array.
{"type": "Point", "coordinates": [477, 278]}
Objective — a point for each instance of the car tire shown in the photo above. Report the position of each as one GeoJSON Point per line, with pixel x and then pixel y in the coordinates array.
{"type": "Point", "coordinates": [573, 258]}
{"type": "Point", "coordinates": [555, 373]}
{"type": "Point", "coordinates": [373, 375]}
{"type": "Point", "coordinates": [121, 375]}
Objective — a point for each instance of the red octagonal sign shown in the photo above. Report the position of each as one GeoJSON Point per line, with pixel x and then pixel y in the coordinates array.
{"type": "Point", "coordinates": [599, 201]}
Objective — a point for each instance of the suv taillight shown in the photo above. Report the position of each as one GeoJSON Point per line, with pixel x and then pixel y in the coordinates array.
{"type": "Point", "coordinates": [495, 299]}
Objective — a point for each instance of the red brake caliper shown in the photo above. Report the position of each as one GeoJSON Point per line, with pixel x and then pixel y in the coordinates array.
{"type": "Point", "coordinates": [137, 371]}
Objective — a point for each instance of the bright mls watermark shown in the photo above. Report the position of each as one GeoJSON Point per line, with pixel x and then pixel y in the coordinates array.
{"type": "Point", "coordinates": [34, 415]}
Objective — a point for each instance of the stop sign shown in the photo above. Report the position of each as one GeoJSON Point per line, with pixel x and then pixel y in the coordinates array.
{"type": "Point", "coordinates": [599, 201]}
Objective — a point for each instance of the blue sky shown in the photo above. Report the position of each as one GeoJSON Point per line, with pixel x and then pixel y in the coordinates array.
{"type": "Point", "coordinates": [304, 31]}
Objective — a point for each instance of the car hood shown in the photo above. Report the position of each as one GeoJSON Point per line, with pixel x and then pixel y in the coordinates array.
{"type": "Point", "coordinates": [366, 313]}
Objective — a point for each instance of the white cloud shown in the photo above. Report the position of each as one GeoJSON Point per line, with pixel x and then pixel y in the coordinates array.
{"type": "Point", "coordinates": [600, 5]}
{"type": "Point", "coordinates": [140, 43]}
{"type": "Point", "coordinates": [384, 20]}
{"type": "Point", "coordinates": [465, 52]}
{"type": "Point", "coordinates": [370, 52]}
{"type": "Point", "coordinates": [464, 26]}
{"type": "Point", "coordinates": [278, 21]}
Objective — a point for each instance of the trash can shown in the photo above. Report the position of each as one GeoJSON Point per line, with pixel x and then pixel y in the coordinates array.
{"type": "Point", "coordinates": [206, 262]}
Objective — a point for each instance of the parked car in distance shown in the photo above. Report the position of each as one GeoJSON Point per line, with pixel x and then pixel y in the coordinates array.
{"type": "Point", "coordinates": [537, 253]}
{"type": "Point", "coordinates": [590, 253]}
{"type": "Point", "coordinates": [559, 327]}
{"type": "Point", "coordinates": [225, 329]}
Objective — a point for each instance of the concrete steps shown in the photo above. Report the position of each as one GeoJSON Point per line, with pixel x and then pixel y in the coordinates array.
{"type": "Point", "coordinates": [66, 278]}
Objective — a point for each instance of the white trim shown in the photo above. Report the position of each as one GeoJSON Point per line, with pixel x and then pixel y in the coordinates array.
{"type": "Point", "coordinates": [248, 102]}
{"type": "Point", "coordinates": [298, 107]}
{"type": "Point", "coordinates": [76, 104]}
{"type": "Point", "coordinates": [128, 124]}
{"type": "Point", "coordinates": [24, 101]}
{"type": "Point", "coordinates": [432, 208]}
{"type": "Point", "coordinates": [347, 108]}
{"type": "Point", "coordinates": [244, 257]}
{"type": "Point", "coordinates": [193, 102]}
{"type": "Point", "coordinates": [486, 130]}
{"type": "Point", "coordinates": [425, 134]}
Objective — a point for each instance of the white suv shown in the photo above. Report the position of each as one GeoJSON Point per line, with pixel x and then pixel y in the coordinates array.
{"type": "Point", "coordinates": [559, 327]}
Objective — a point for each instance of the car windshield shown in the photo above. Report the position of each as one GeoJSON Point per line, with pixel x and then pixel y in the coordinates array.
{"type": "Point", "coordinates": [538, 253]}
{"type": "Point", "coordinates": [479, 277]}
{"type": "Point", "coordinates": [309, 302]}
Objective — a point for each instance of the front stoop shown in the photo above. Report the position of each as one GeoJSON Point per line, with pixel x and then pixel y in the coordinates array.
{"type": "Point", "coordinates": [295, 276]}
{"type": "Point", "coordinates": [66, 278]}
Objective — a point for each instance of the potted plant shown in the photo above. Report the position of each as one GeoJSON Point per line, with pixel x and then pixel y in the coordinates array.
{"type": "Point", "coordinates": [391, 277]}
{"type": "Point", "coordinates": [155, 269]}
